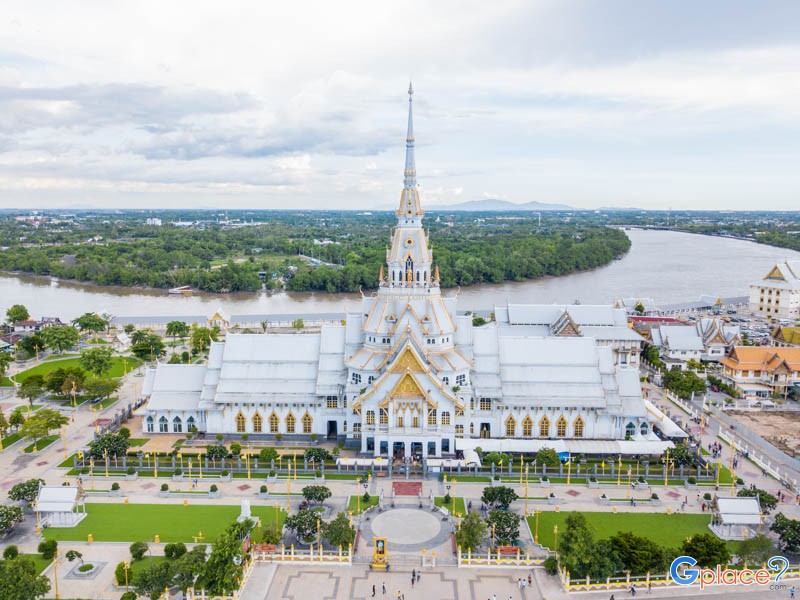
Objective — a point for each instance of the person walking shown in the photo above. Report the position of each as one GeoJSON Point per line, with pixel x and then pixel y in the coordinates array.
{"type": "Point", "coordinates": [791, 592]}
{"type": "Point", "coordinates": [373, 590]}
{"type": "Point", "coordinates": [383, 588]}
{"type": "Point", "coordinates": [419, 575]}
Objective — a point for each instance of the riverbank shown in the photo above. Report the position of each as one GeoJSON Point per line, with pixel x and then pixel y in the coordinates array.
{"type": "Point", "coordinates": [665, 265]}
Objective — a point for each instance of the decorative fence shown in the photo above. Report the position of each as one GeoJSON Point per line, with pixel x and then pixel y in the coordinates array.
{"type": "Point", "coordinates": [498, 559]}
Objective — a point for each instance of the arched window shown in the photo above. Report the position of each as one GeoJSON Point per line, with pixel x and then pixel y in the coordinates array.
{"type": "Point", "coordinates": [307, 420]}
{"type": "Point", "coordinates": [577, 427]}
{"type": "Point", "coordinates": [643, 428]}
{"type": "Point", "coordinates": [446, 380]}
{"type": "Point", "coordinates": [561, 426]}
{"type": "Point", "coordinates": [150, 424]}
{"type": "Point", "coordinates": [511, 426]}
{"type": "Point", "coordinates": [163, 425]}
{"type": "Point", "coordinates": [445, 417]}
{"type": "Point", "coordinates": [383, 416]}
{"type": "Point", "coordinates": [273, 423]}
{"type": "Point", "coordinates": [370, 417]}
{"type": "Point", "coordinates": [290, 423]}
{"type": "Point", "coordinates": [177, 425]}
{"type": "Point", "coordinates": [409, 265]}
{"type": "Point", "coordinates": [241, 423]}
{"type": "Point", "coordinates": [630, 430]}
{"type": "Point", "coordinates": [544, 427]}
{"type": "Point", "coordinates": [190, 425]}
{"type": "Point", "coordinates": [432, 417]}
{"type": "Point", "coordinates": [527, 426]}
{"type": "Point", "coordinates": [258, 423]}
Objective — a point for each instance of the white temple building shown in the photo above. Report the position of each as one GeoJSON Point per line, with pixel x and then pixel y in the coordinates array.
{"type": "Point", "coordinates": [408, 375]}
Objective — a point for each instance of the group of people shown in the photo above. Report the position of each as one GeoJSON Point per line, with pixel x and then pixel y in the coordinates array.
{"type": "Point", "coordinates": [415, 577]}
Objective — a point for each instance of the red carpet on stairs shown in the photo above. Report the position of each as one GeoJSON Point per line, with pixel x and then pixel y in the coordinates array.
{"type": "Point", "coordinates": [407, 488]}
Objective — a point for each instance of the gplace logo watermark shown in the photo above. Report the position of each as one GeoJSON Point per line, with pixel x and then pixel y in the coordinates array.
{"type": "Point", "coordinates": [682, 573]}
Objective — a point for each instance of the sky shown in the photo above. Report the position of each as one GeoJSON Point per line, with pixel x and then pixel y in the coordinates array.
{"type": "Point", "coordinates": [630, 103]}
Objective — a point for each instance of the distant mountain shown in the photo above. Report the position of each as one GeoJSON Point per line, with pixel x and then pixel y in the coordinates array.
{"type": "Point", "coordinates": [491, 205]}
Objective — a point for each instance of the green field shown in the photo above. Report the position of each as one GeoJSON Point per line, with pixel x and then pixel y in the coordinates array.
{"type": "Point", "coordinates": [172, 522]}
{"type": "Point", "coordinates": [5, 382]}
{"type": "Point", "coordinates": [10, 439]}
{"type": "Point", "coordinates": [666, 530]}
{"type": "Point", "coordinates": [356, 502]}
{"type": "Point", "coordinates": [117, 367]}
{"type": "Point", "coordinates": [461, 508]}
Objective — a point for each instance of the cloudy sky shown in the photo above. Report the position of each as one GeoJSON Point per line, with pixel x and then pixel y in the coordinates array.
{"type": "Point", "coordinates": [653, 104]}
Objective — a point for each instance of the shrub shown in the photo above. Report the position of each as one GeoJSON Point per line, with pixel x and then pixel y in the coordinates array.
{"type": "Point", "coordinates": [707, 496]}
{"type": "Point", "coordinates": [177, 472]}
{"type": "Point", "coordinates": [125, 432]}
{"type": "Point", "coordinates": [272, 473]}
{"type": "Point", "coordinates": [130, 595]}
{"type": "Point", "coordinates": [641, 478]}
{"type": "Point", "coordinates": [691, 480]}
{"type": "Point", "coordinates": [654, 496]}
{"type": "Point", "coordinates": [278, 437]}
{"type": "Point", "coordinates": [164, 487]}
{"type": "Point", "coordinates": [552, 495]}
{"type": "Point", "coordinates": [592, 478]}
{"type": "Point", "coordinates": [213, 488]}
{"type": "Point", "coordinates": [174, 550]}
{"type": "Point", "coordinates": [224, 473]}
{"type": "Point", "coordinates": [263, 489]}
{"type": "Point", "coordinates": [11, 552]}
{"type": "Point", "coordinates": [138, 550]}
{"type": "Point", "coordinates": [739, 481]}
{"type": "Point", "coordinates": [131, 471]}
{"type": "Point", "coordinates": [85, 567]}
{"type": "Point", "coordinates": [550, 565]}
{"type": "Point", "coordinates": [447, 498]}
{"type": "Point", "coordinates": [365, 497]}
{"type": "Point", "coordinates": [114, 486]}
{"type": "Point", "coordinates": [318, 473]}
{"type": "Point", "coordinates": [119, 574]}
{"type": "Point", "coordinates": [48, 549]}
{"type": "Point", "coordinates": [236, 448]}
{"type": "Point", "coordinates": [220, 437]}
{"type": "Point", "coordinates": [545, 478]}
{"type": "Point", "coordinates": [314, 437]}
{"type": "Point", "coordinates": [84, 470]}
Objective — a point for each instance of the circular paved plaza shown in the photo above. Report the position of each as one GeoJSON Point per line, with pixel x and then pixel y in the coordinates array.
{"type": "Point", "coordinates": [408, 529]}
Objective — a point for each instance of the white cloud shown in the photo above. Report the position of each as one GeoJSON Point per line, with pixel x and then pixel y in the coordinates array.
{"type": "Point", "coordinates": [303, 101]}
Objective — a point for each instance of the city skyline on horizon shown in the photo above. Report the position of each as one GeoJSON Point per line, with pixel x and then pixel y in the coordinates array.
{"type": "Point", "coordinates": [590, 105]}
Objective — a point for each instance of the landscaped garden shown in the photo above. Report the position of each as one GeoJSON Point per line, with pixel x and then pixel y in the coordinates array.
{"type": "Point", "coordinates": [117, 369]}
{"type": "Point", "coordinates": [460, 507]}
{"type": "Point", "coordinates": [356, 504]}
{"type": "Point", "coordinates": [666, 530]}
{"type": "Point", "coordinates": [171, 522]}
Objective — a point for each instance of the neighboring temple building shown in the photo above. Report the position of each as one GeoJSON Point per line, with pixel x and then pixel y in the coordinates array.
{"type": "Point", "coordinates": [706, 340]}
{"type": "Point", "coordinates": [408, 375]}
{"type": "Point", "coordinates": [763, 372]}
{"type": "Point", "coordinates": [778, 294]}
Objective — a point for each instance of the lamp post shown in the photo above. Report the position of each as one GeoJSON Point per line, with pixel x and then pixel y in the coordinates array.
{"type": "Point", "coordinates": [667, 462]}
{"type": "Point", "coordinates": [453, 498]}
{"type": "Point", "coordinates": [127, 566]}
{"type": "Point", "coordinates": [629, 483]}
{"type": "Point", "coordinates": [536, 527]}
{"type": "Point", "coordinates": [55, 574]}
{"type": "Point", "coordinates": [91, 471]}
{"type": "Point", "coordinates": [569, 470]}
{"type": "Point", "coordinates": [63, 439]}
{"type": "Point", "coordinates": [105, 457]}
{"type": "Point", "coordinates": [288, 487]}
{"type": "Point", "coordinates": [447, 487]}
{"type": "Point", "coordinates": [555, 533]}
{"type": "Point", "coordinates": [38, 518]}
{"type": "Point", "coordinates": [526, 489]}
{"type": "Point", "coordinates": [619, 471]}
{"type": "Point", "coordinates": [247, 460]}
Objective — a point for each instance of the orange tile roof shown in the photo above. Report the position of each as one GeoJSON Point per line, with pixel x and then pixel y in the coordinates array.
{"type": "Point", "coordinates": [762, 358]}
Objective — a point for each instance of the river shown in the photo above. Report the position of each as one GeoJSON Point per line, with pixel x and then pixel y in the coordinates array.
{"type": "Point", "coordinates": [665, 265]}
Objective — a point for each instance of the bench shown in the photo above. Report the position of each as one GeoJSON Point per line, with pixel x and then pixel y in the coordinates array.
{"type": "Point", "coordinates": [265, 547]}
{"type": "Point", "coordinates": [508, 550]}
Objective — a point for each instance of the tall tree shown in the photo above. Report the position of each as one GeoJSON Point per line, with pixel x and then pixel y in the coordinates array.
{"type": "Point", "coordinates": [90, 322]}
{"type": "Point", "coordinates": [17, 313]}
{"type": "Point", "coordinates": [25, 491]}
{"type": "Point", "coordinates": [224, 567]}
{"type": "Point", "coordinates": [96, 360]}
{"type": "Point", "coordinates": [20, 580]}
{"type": "Point", "coordinates": [97, 389]}
{"type": "Point", "coordinates": [788, 531]}
{"type": "Point", "coordinates": [202, 337]}
{"type": "Point", "coordinates": [472, 532]}
{"type": "Point", "coordinates": [60, 337]}
{"type": "Point", "coordinates": [708, 550]}
{"type": "Point", "coordinates": [505, 525]}
{"type": "Point", "coordinates": [42, 422]}
{"type": "Point", "coordinates": [32, 388]}
{"type": "Point", "coordinates": [5, 361]}
{"type": "Point", "coordinates": [32, 344]}
{"type": "Point", "coordinates": [176, 329]}
{"type": "Point", "coordinates": [339, 532]}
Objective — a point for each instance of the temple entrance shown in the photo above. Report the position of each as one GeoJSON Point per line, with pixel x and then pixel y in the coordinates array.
{"type": "Point", "coordinates": [486, 430]}
{"type": "Point", "coordinates": [398, 451]}
{"type": "Point", "coordinates": [416, 450]}
{"type": "Point", "coordinates": [332, 430]}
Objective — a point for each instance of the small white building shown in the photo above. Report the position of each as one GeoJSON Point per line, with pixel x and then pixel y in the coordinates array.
{"type": "Point", "coordinates": [777, 295]}
{"type": "Point", "coordinates": [708, 339]}
{"type": "Point", "coordinates": [60, 506]}
{"type": "Point", "coordinates": [737, 518]}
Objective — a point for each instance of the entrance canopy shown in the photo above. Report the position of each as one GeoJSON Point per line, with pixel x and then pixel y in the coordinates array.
{"type": "Point", "coordinates": [607, 447]}
{"type": "Point", "coordinates": [663, 422]}
{"type": "Point", "coordinates": [739, 511]}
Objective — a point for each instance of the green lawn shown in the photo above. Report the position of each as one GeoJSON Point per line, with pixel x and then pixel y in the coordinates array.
{"type": "Point", "coordinates": [117, 367]}
{"type": "Point", "coordinates": [5, 382]}
{"type": "Point", "coordinates": [41, 563]}
{"type": "Point", "coordinates": [10, 439]}
{"type": "Point", "coordinates": [106, 403]}
{"type": "Point", "coordinates": [136, 442]}
{"type": "Point", "coordinates": [342, 476]}
{"type": "Point", "coordinates": [666, 530]}
{"type": "Point", "coordinates": [144, 564]}
{"type": "Point", "coordinates": [461, 508]}
{"type": "Point", "coordinates": [140, 522]}
{"type": "Point", "coordinates": [41, 444]}
{"type": "Point", "coordinates": [357, 502]}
